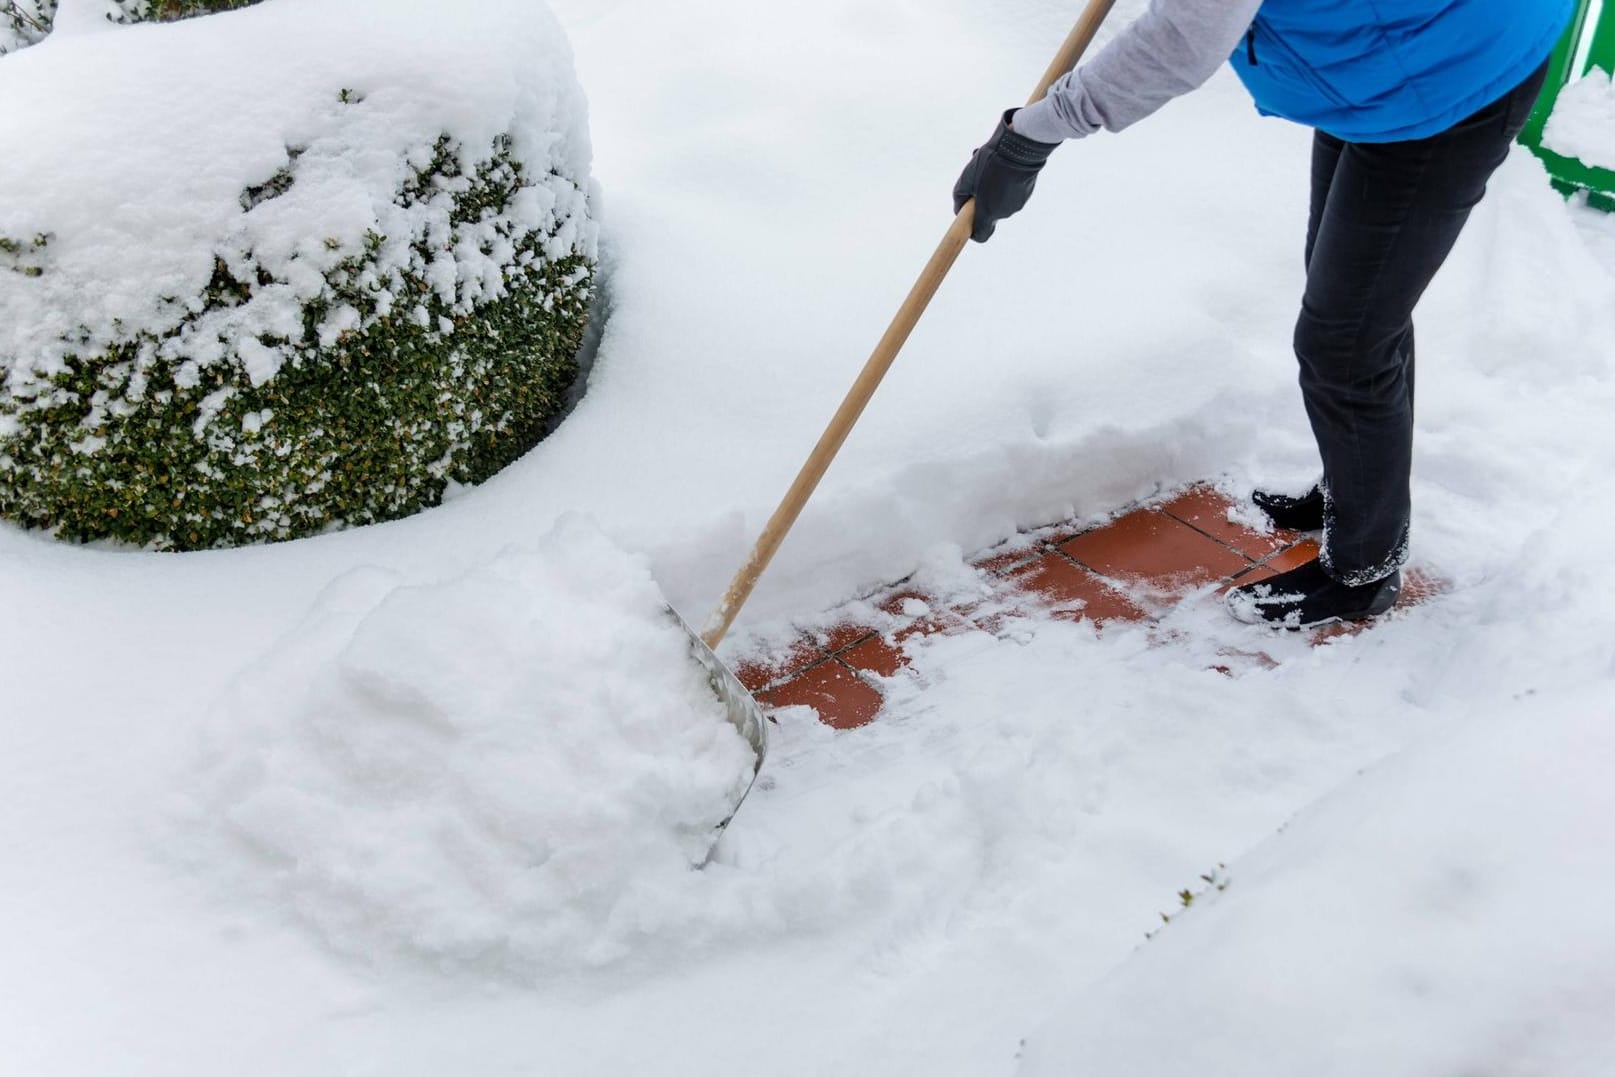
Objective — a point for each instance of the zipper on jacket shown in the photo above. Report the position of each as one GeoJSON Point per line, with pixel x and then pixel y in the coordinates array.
{"type": "Point", "coordinates": [1250, 46]}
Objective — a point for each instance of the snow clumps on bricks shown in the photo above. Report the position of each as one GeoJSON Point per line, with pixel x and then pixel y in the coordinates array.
{"type": "Point", "coordinates": [293, 267]}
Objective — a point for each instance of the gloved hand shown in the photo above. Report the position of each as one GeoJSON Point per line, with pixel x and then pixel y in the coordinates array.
{"type": "Point", "coordinates": [1000, 177]}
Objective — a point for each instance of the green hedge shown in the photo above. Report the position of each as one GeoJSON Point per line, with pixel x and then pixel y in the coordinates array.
{"type": "Point", "coordinates": [371, 428]}
{"type": "Point", "coordinates": [25, 22]}
{"type": "Point", "coordinates": [170, 10]}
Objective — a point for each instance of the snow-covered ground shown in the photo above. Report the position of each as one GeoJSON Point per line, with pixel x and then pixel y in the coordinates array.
{"type": "Point", "coordinates": [981, 865]}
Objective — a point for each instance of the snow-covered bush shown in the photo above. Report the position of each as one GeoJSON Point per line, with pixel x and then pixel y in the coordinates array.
{"type": "Point", "coordinates": [169, 10]}
{"type": "Point", "coordinates": [299, 266]}
{"type": "Point", "coordinates": [26, 22]}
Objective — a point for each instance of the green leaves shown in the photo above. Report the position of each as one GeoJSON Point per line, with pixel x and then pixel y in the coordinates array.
{"type": "Point", "coordinates": [370, 428]}
{"type": "Point", "coordinates": [26, 22]}
{"type": "Point", "coordinates": [1216, 881]}
{"type": "Point", "coordinates": [172, 10]}
{"type": "Point", "coordinates": [25, 257]}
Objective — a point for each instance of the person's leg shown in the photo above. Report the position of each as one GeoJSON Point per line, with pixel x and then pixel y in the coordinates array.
{"type": "Point", "coordinates": [1326, 151]}
{"type": "Point", "coordinates": [1394, 212]}
{"type": "Point", "coordinates": [1305, 512]}
{"type": "Point", "coordinates": [1408, 363]}
{"type": "Point", "coordinates": [1390, 218]}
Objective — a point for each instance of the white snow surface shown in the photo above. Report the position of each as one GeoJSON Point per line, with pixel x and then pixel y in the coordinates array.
{"type": "Point", "coordinates": [1398, 927]}
{"type": "Point", "coordinates": [514, 769]}
{"type": "Point", "coordinates": [920, 896]}
{"type": "Point", "coordinates": [1583, 121]}
{"type": "Point", "coordinates": [131, 149]}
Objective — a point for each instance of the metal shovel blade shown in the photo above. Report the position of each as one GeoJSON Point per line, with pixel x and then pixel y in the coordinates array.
{"type": "Point", "coordinates": [742, 709]}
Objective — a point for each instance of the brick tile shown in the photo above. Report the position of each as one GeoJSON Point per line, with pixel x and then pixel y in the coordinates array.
{"type": "Point", "coordinates": [1420, 586]}
{"type": "Point", "coordinates": [1256, 659]}
{"type": "Point", "coordinates": [756, 674]}
{"type": "Point", "coordinates": [1204, 508]}
{"type": "Point", "coordinates": [998, 624]}
{"type": "Point", "coordinates": [840, 637]}
{"type": "Point", "coordinates": [900, 603]}
{"type": "Point", "coordinates": [876, 656]}
{"type": "Point", "coordinates": [1073, 592]}
{"type": "Point", "coordinates": [992, 616]}
{"type": "Point", "coordinates": [1338, 630]}
{"type": "Point", "coordinates": [1294, 557]}
{"type": "Point", "coordinates": [1155, 550]}
{"type": "Point", "coordinates": [1005, 556]}
{"type": "Point", "coordinates": [842, 699]}
{"type": "Point", "coordinates": [937, 618]}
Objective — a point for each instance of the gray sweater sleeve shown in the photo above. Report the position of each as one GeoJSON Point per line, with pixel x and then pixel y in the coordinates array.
{"type": "Point", "coordinates": [1172, 48]}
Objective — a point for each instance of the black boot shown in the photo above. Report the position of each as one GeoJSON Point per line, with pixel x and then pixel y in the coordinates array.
{"type": "Point", "coordinates": [1304, 513]}
{"type": "Point", "coordinates": [1306, 596]}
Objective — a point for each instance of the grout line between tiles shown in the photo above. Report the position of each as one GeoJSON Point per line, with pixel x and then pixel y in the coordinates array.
{"type": "Point", "coordinates": [780, 682]}
{"type": "Point", "coordinates": [1277, 554]}
{"type": "Point", "coordinates": [860, 641]}
{"type": "Point", "coordinates": [1221, 542]}
{"type": "Point", "coordinates": [1121, 587]}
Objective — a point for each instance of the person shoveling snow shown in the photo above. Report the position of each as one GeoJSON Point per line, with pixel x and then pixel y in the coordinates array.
{"type": "Point", "coordinates": [1414, 106]}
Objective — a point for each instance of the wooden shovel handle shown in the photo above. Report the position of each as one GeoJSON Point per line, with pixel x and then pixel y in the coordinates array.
{"type": "Point", "coordinates": [897, 334]}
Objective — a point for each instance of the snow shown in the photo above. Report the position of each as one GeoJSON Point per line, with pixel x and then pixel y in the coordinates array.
{"type": "Point", "coordinates": [1397, 927]}
{"type": "Point", "coordinates": [172, 125]}
{"type": "Point", "coordinates": [919, 896]}
{"type": "Point", "coordinates": [1583, 121]}
{"type": "Point", "coordinates": [508, 770]}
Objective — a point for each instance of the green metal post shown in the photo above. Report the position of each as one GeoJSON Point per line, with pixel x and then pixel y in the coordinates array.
{"type": "Point", "coordinates": [1603, 50]}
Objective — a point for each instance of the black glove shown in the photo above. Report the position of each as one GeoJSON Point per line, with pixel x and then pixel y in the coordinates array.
{"type": "Point", "coordinates": [1000, 177]}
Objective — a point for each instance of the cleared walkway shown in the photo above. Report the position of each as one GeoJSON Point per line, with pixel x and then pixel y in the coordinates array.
{"type": "Point", "coordinates": [1135, 568]}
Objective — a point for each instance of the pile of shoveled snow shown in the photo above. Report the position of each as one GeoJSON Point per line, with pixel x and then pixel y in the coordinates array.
{"type": "Point", "coordinates": [476, 772]}
{"type": "Point", "coordinates": [1583, 121]}
{"type": "Point", "coordinates": [1447, 913]}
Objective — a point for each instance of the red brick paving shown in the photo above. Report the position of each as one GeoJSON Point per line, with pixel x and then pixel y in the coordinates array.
{"type": "Point", "coordinates": [1419, 586]}
{"type": "Point", "coordinates": [1206, 510]}
{"type": "Point", "coordinates": [841, 636]}
{"type": "Point", "coordinates": [1074, 593]}
{"type": "Point", "coordinates": [756, 675]}
{"type": "Point", "coordinates": [1001, 559]}
{"type": "Point", "coordinates": [921, 616]}
{"type": "Point", "coordinates": [1293, 557]}
{"type": "Point", "coordinates": [877, 656]}
{"type": "Point", "coordinates": [842, 698]}
{"type": "Point", "coordinates": [1157, 553]}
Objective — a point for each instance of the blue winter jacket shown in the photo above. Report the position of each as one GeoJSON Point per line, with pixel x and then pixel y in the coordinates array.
{"type": "Point", "coordinates": [1392, 70]}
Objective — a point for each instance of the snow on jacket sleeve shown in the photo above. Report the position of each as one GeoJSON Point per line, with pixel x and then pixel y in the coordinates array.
{"type": "Point", "coordinates": [1172, 48]}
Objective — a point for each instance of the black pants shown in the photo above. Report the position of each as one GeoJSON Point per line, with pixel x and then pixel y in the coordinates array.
{"type": "Point", "coordinates": [1384, 218]}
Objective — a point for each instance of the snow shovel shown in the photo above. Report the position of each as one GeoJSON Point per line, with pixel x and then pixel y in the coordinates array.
{"type": "Point", "coordinates": [743, 710]}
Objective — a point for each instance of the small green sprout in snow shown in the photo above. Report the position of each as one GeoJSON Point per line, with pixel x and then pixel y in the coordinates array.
{"type": "Point", "coordinates": [1215, 880]}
